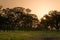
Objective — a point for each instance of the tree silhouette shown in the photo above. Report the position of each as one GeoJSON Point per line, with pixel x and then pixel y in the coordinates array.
{"type": "Point", "coordinates": [56, 18]}
{"type": "Point", "coordinates": [52, 20]}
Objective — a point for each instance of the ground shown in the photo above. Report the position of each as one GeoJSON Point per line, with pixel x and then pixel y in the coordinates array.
{"type": "Point", "coordinates": [30, 35]}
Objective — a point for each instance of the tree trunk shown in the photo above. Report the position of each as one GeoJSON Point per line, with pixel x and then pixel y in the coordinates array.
{"type": "Point", "coordinates": [57, 27]}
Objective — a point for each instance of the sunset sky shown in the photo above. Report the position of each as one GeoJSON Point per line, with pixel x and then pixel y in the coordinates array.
{"type": "Point", "coordinates": [38, 7]}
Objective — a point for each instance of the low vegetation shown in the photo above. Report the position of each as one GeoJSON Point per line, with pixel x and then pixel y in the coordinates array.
{"type": "Point", "coordinates": [28, 35]}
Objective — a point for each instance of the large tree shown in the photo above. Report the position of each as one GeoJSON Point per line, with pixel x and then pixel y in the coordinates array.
{"type": "Point", "coordinates": [55, 15]}
{"type": "Point", "coordinates": [52, 20]}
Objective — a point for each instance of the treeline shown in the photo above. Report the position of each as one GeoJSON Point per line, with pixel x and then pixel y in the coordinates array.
{"type": "Point", "coordinates": [17, 18]}
{"type": "Point", "coordinates": [20, 18]}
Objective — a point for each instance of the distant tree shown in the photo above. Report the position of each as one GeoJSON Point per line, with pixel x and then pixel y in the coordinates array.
{"type": "Point", "coordinates": [55, 15]}
{"type": "Point", "coordinates": [44, 22]}
{"type": "Point", "coordinates": [51, 20]}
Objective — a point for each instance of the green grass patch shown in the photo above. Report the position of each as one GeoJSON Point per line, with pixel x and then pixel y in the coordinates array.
{"type": "Point", "coordinates": [24, 35]}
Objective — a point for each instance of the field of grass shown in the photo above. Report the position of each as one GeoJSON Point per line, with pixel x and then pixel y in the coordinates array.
{"type": "Point", "coordinates": [27, 35]}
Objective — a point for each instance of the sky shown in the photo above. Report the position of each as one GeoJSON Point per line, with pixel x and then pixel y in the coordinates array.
{"type": "Point", "coordinates": [38, 7]}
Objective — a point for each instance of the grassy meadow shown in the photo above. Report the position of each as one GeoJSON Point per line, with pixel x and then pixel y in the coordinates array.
{"type": "Point", "coordinates": [28, 35]}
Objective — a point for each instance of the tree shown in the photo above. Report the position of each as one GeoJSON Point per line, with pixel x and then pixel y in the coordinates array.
{"type": "Point", "coordinates": [16, 19]}
{"type": "Point", "coordinates": [51, 20]}
{"type": "Point", "coordinates": [44, 22]}
{"type": "Point", "coordinates": [56, 18]}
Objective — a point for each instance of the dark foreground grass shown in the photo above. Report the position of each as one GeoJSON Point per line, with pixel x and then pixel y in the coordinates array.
{"type": "Point", "coordinates": [29, 35]}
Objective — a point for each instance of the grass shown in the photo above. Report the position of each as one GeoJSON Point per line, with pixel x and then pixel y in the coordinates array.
{"type": "Point", "coordinates": [27, 35]}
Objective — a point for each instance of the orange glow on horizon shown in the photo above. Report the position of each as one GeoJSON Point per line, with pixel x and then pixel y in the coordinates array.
{"type": "Point", "coordinates": [39, 7]}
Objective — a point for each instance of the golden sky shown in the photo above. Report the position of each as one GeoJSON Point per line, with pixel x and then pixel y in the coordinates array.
{"type": "Point", "coordinates": [38, 7]}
